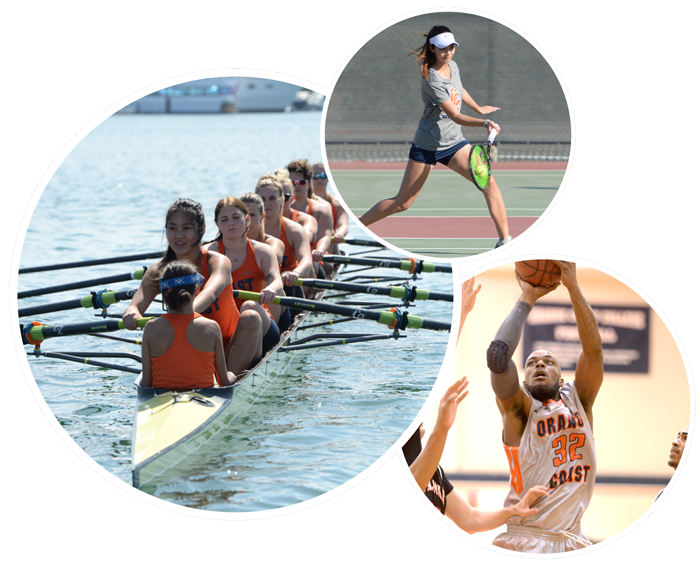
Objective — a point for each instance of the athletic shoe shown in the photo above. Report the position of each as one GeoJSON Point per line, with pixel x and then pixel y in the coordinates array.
{"type": "Point", "coordinates": [502, 241]}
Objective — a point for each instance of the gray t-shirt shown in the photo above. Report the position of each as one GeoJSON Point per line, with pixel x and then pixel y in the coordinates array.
{"type": "Point", "coordinates": [436, 131]}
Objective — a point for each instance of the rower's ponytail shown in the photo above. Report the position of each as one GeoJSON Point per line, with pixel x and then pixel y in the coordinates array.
{"type": "Point", "coordinates": [178, 297]}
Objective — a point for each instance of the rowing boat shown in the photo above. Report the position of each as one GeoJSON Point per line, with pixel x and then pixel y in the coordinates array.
{"type": "Point", "coordinates": [180, 431]}
{"type": "Point", "coordinates": [169, 426]}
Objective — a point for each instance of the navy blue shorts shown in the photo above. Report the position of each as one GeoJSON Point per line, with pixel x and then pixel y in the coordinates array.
{"type": "Point", "coordinates": [432, 157]}
{"type": "Point", "coordinates": [270, 338]}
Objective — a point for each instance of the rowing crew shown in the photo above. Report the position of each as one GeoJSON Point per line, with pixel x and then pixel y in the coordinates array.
{"type": "Point", "coordinates": [256, 249]}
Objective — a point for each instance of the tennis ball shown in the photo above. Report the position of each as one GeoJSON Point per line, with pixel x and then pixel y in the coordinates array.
{"type": "Point", "coordinates": [481, 171]}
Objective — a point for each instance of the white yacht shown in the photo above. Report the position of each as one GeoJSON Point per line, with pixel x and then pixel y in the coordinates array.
{"type": "Point", "coordinates": [219, 95]}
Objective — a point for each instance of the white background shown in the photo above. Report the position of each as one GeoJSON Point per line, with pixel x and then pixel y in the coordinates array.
{"type": "Point", "coordinates": [628, 204]}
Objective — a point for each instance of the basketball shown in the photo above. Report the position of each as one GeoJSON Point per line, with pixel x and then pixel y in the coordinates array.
{"type": "Point", "coordinates": [539, 272]}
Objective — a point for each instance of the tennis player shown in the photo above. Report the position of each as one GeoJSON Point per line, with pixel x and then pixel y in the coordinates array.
{"type": "Point", "coordinates": [547, 424]}
{"type": "Point", "coordinates": [439, 137]}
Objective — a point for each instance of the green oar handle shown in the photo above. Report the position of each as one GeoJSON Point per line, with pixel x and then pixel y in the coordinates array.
{"type": "Point", "coordinates": [96, 300]}
{"type": "Point", "coordinates": [35, 333]}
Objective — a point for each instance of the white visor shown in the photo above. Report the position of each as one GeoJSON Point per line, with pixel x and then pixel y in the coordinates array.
{"type": "Point", "coordinates": [443, 40]}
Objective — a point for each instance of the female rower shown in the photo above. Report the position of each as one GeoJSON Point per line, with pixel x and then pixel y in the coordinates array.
{"type": "Point", "coordinates": [256, 228]}
{"type": "Point", "coordinates": [182, 349]}
{"type": "Point", "coordinates": [253, 266]}
{"type": "Point", "coordinates": [319, 189]}
{"type": "Point", "coordinates": [256, 232]}
{"type": "Point", "coordinates": [297, 261]}
{"type": "Point", "coordinates": [439, 135]}
{"type": "Point", "coordinates": [184, 229]}
{"type": "Point", "coordinates": [301, 172]}
{"type": "Point", "coordinates": [306, 220]}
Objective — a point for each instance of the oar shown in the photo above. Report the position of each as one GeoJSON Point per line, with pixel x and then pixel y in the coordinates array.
{"type": "Point", "coordinates": [97, 300]}
{"type": "Point", "coordinates": [136, 275]}
{"type": "Point", "coordinates": [412, 266]}
{"type": "Point", "coordinates": [36, 333]}
{"type": "Point", "coordinates": [395, 319]}
{"type": "Point", "coordinates": [360, 242]}
{"type": "Point", "coordinates": [97, 262]}
{"type": "Point", "coordinates": [83, 360]}
{"type": "Point", "coordinates": [405, 293]}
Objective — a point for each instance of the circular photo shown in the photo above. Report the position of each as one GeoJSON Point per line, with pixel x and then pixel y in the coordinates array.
{"type": "Point", "coordinates": [185, 285]}
{"type": "Point", "coordinates": [448, 135]}
{"type": "Point", "coordinates": [551, 433]}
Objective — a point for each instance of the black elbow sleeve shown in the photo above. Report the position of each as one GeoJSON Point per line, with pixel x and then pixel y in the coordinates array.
{"type": "Point", "coordinates": [497, 357]}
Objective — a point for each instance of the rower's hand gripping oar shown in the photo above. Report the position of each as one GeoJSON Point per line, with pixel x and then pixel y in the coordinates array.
{"type": "Point", "coordinates": [396, 319]}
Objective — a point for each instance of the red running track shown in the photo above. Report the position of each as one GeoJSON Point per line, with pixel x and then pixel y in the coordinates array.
{"type": "Point", "coordinates": [447, 226]}
{"type": "Point", "coordinates": [401, 166]}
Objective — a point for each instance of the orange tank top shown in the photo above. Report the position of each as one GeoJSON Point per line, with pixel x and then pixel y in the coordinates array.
{"type": "Point", "coordinates": [289, 260]}
{"type": "Point", "coordinates": [223, 311]}
{"type": "Point", "coordinates": [182, 366]}
{"type": "Point", "coordinates": [248, 276]}
{"type": "Point", "coordinates": [294, 215]}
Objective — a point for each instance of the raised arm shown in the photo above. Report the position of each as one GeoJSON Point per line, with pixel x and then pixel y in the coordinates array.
{"type": "Point", "coordinates": [428, 460]}
{"type": "Point", "coordinates": [513, 401]}
{"type": "Point", "coordinates": [589, 368]}
{"type": "Point", "coordinates": [468, 300]}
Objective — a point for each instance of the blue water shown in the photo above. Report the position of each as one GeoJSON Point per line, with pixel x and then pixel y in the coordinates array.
{"type": "Point", "coordinates": [334, 412]}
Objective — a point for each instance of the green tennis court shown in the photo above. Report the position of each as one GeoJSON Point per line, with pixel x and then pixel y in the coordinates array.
{"type": "Point", "coordinates": [449, 218]}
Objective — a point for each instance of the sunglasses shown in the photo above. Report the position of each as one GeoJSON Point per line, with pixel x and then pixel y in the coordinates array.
{"type": "Point", "coordinates": [287, 197]}
{"type": "Point", "coordinates": [320, 176]}
{"type": "Point", "coordinates": [300, 183]}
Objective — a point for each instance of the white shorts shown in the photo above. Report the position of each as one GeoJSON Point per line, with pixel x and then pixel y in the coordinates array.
{"type": "Point", "coordinates": [540, 541]}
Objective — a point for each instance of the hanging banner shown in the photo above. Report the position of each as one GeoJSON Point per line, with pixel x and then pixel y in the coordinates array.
{"type": "Point", "coordinates": [624, 330]}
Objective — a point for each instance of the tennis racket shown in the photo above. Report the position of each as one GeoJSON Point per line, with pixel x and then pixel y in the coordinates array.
{"type": "Point", "coordinates": [479, 164]}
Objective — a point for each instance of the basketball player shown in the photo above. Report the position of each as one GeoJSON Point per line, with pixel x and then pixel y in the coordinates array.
{"type": "Point", "coordinates": [547, 424]}
{"type": "Point", "coordinates": [674, 457]}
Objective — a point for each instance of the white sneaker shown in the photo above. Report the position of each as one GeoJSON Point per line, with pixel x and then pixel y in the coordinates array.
{"type": "Point", "coordinates": [502, 241]}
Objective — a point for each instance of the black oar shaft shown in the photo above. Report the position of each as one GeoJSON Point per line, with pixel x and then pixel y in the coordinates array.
{"type": "Point", "coordinates": [401, 320]}
{"type": "Point", "coordinates": [137, 275]}
{"type": "Point", "coordinates": [407, 293]}
{"type": "Point", "coordinates": [96, 363]}
{"type": "Point", "coordinates": [412, 266]}
{"type": "Point", "coordinates": [97, 262]}
{"type": "Point", "coordinates": [361, 242]}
